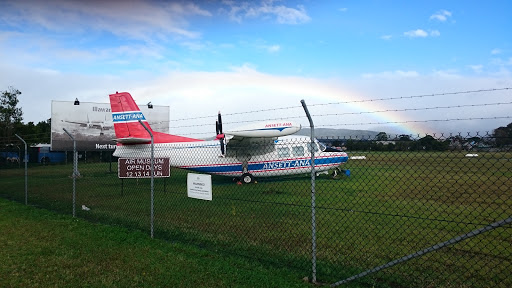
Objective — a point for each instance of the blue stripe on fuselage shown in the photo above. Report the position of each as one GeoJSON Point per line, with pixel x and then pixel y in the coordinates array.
{"type": "Point", "coordinates": [294, 163]}
{"type": "Point", "coordinates": [267, 166]}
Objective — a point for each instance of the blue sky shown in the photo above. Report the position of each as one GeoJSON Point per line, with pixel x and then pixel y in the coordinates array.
{"type": "Point", "coordinates": [199, 57]}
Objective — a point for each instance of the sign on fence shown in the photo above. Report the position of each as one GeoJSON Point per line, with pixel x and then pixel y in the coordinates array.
{"type": "Point", "coordinates": [141, 167]}
{"type": "Point", "coordinates": [199, 186]}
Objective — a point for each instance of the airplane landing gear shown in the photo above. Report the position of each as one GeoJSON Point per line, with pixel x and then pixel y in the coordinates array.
{"type": "Point", "coordinates": [247, 178]}
{"type": "Point", "coordinates": [337, 172]}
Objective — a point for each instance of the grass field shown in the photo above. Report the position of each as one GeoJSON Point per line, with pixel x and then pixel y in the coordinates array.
{"type": "Point", "coordinates": [393, 204]}
{"type": "Point", "coordinates": [44, 249]}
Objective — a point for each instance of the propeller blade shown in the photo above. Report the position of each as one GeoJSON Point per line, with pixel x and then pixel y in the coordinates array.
{"type": "Point", "coordinates": [219, 124]}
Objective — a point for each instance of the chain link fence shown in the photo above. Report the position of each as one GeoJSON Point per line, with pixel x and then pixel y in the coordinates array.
{"type": "Point", "coordinates": [401, 212]}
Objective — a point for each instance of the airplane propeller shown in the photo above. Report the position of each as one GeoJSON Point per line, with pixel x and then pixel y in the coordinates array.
{"type": "Point", "coordinates": [220, 135]}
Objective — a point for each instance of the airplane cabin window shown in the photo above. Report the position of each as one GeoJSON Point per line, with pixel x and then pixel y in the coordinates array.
{"type": "Point", "coordinates": [298, 151]}
{"type": "Point", "coordinates": [283, 152]}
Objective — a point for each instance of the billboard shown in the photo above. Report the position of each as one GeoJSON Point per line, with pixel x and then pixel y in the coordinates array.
{"type": "Point", "coordinates": [91, 124]}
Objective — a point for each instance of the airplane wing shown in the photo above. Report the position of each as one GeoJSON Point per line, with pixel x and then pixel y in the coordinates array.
{"type": "Point", "coordinates": [82, 124]}
{"type": "Point", "coordinates": [257, 139]}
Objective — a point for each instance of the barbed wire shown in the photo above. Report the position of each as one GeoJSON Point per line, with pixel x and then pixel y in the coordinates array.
{"type": "Point", "coordinates": [415, 96]}
{"type": "Point", "coordinates": [355, 113]}
{"type": "Point", "coordinates": [420, 121]}
{"type": "Point", "coordinates": [391, 122]}
{"type": "Point", "coordinates": [354, 101]}
{"type": "Point", "coordinates": [414, 109]}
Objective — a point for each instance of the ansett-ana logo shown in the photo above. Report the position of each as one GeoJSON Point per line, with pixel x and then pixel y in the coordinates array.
{"type": "Point", "coordinates": [127, 117]}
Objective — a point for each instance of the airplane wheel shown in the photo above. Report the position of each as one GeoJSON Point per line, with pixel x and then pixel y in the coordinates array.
{"type": "Point", "coordinates": [247, 178]}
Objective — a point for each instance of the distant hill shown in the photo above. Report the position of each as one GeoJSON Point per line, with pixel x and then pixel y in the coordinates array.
{"type": "Point", "coordinates": [338, 133]}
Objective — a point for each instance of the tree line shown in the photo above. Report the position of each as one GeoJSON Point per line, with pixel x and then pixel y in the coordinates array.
{"type": "Point", "coordinates": [500, 139]}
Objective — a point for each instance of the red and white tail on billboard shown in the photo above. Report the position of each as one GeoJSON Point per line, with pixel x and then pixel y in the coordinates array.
{"type": "Point", "coordinates": [126, 115]}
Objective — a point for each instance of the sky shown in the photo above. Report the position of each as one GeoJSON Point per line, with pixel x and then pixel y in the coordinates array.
{"type": "Point", "coordinates": [405, 67]}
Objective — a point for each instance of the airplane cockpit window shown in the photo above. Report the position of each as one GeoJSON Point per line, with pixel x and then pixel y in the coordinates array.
{"type": "Point", "coordinates": [315, 147]}
{"type": "Point", "coordinates": [283, 152]}
{"type": "Point", "coordinates": [298, 151]}
{"type": "Point", "coordinates": [322, 146]}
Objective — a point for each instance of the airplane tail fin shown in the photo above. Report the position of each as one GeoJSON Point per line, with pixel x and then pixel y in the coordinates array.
{"type": "Point", "coordinates": [126, 115]}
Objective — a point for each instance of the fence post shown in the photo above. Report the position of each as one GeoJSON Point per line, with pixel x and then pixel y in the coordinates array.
{"type": "Point", "coordinates": [25, 159]}
{"type": "Point", "coordinates": [75, 170]}
{"type": "Point", "coordinates": [152, 176]}
{"type": "Point", "coordinates": [313, 197]}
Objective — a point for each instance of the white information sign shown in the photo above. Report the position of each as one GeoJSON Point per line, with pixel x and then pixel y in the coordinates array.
{"type": "Point", "coordinates": [199, 186]}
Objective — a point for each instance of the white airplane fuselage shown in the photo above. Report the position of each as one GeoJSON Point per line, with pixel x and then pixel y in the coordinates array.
{"type": "Point", "coordinates": [289, 155]}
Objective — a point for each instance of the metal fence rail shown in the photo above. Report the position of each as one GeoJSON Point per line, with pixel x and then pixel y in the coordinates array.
{"type": "Point", "coordinates": [403, 196]}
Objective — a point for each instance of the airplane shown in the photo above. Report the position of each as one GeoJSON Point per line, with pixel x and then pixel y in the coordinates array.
{"type": "Point", "coordinates": [102, 125]}
{"type": "Point", "coordinates": [259, 150]}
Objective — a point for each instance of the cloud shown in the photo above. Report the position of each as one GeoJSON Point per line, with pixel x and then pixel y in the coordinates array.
{"type": "Point", "coordinates": [476, 68]}
{"type": "Point", "coordinates": [238, 11]}
{"type": "Point", "coordinates": [386, 37]}
{"type": "Point", "coordinates": [133, 19]}
{"type": "Point", "coordinates": [420, 33]}
{"type": "Point", "coordinates": [501, 62]}
{"type": "Point", "coordinates": [343, 9]}
{"type": "Point", "coordinates": [496, 51]}
{"type": "Point", "coordinates": [435, 33]}
{"type": "Point", "coordinates": [449, 73]}
{"type": "Point", "coordinates": [273, 48]}
{"type": "Point", "coordinates": [392, 74]}
{"type": "Point", "coordinates": [441, 15]}
{"type": "Point", "coordinates": [416, 33]}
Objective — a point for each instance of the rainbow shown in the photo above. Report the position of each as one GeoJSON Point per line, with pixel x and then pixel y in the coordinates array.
{"type": "Point", "coordinates": [364, 105]}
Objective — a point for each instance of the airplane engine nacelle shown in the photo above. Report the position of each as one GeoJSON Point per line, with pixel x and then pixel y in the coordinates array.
{"type": "Point", "coordinates": [266, 129]}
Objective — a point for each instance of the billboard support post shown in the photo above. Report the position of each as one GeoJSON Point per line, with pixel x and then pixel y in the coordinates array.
{"type": "Point", "coordinates": [75, 170]}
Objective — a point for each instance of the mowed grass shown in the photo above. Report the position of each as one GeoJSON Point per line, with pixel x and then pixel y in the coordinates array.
{"type": "Point", "coordinates": [44, 249]}
{"type": "Point", "coordinates": [393, 204]}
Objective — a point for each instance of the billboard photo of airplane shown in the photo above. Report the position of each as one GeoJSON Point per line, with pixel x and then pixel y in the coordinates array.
{"type": "Point", "coordinates": [91, 124]}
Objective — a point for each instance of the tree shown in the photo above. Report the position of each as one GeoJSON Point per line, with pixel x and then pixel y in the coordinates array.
{"type": "Point", "coordinates": [382, 136]}
{"type": "Point", "coordinates": [503, 135]}
{"type": "Point", "coordinates": [430, 143]}
{"type": "Point", "coordinates": [404, 137]}
{"type": "Point", "coordinates": [10, 114]}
